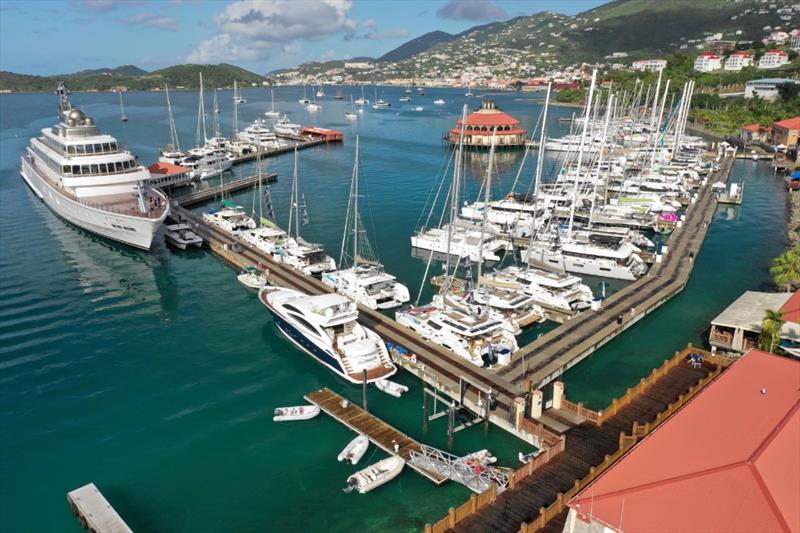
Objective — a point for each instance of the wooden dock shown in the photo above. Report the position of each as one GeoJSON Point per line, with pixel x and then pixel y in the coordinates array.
{"type": "Point", "coordinates": [537, 496]}
{"type": "Point", "coordinates": [94, 511]}
{"type": "Point", "coordinates": [379, 432]}
{"type": "Point", "coordinates": [298, 142]}
{"type": "Point", "coordinates": [203, 195]}
{"type": "Point", "coordinates": [552, 354]}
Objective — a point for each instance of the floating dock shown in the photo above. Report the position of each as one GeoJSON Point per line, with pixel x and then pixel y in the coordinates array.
{"type": "Point", "coordinates": [535, 364]}
{"type": "Point", "coordinates": [552, 354]}
{"type": "Point", "coordinates": [379, 432]}
{"type": "Point", "coordinates": [94, 511]}
{"type": "Point", "coordinates": [203, 195]}
{"type": "Point", "coordinates": [299, 142]}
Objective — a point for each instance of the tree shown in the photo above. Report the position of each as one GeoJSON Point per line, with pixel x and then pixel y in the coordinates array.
{"type": "Point", "coordinates": [788, 90]}
{"type": "Point", "coordinates": [785, 269]}
{"type": "Point", "coordinates": [770, 337]}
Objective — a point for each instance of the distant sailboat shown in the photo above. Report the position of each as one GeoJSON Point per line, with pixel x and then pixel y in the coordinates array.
{"type": "Point", "coordinates": [351, 115]}
{"type": "Point", "coordinates": [339, 94]}
{"type": "Point", "coordinates": [124, 117]}
{"type": "Point", "coordinates": [237, 97]}
{"type": "Point", "coordinates": [469, 92]}
{"type": "Point", "coordinates": [304, 100]}
{"type": "Point", "coordinates": [272, 112]}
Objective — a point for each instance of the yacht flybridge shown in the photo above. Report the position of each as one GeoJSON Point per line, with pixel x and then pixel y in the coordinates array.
{"type": "Point", "coordinates": [365, 281]}
{"type": "Point", "coordinates": [88, 179]}
{"type": "Point", "coordinates": [326, 327]}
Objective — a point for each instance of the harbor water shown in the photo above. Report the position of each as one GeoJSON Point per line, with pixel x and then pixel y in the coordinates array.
{"type": "Point", "coordinates": [154, 375]}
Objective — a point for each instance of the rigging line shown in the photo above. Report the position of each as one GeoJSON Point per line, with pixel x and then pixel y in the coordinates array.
{"type": "Point", "coordinates": [440, 177]}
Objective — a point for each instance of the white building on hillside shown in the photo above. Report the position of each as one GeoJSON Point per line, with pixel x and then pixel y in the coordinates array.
{"type": "Point", "coordinates": [649, 65]}
{"type": "Point", "coordinates": [794, 40]}
{"type": "Point", "coordinates": [707, 63]}
{"type": "Point", "coordinates": [766, 89]}
{"type": "Point", "coordinates": [738, 61]}
{"type": "Point", "coordinates": [773, 59]}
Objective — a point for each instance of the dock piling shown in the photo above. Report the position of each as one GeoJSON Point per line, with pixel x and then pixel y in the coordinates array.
{"type": "Point", "coordinates": [364, 391]}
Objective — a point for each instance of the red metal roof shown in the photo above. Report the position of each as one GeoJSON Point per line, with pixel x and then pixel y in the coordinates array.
{"type": "Point", "coordinates": [779, 52]}
{"type": "Point", "coordinates": [710, 56]}
{"type": "Point", "coordinates": [515, 131]}
{"type": "Point", "coordinates": [742, 53]}
{"type": "Point", "coordinates": [490, 118]}
{"type": "Point", "coordinates": [791, 309]}
{"type": "Point", "coordinates": [727, 461]}
{"type": "Point", "coordinates": [166, 168]}
{"type": "Point", "coordinates": [753, 127]}
{"type": "Point", "coordinates": [789, 123]}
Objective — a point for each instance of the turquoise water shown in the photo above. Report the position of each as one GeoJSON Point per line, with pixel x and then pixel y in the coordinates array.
{"type": "Point", "coordinates": [155, 375]}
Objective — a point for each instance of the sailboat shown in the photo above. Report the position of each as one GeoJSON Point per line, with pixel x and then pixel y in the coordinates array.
{"type": "Point", "coordinates": [124, 117]}
{"type": "Point", "coordinates": [313, 106]}
{"type": "Point", "coordinates": [267, 236]}
{"type": "Point", "coordinates": [362, 101]}
{"type": "Point", "coordinates": [469, 94]}
{"type": "Point", "coordinates": [339, 94]}
{"type": "Point", "coordinates": [304, 100]}
{"type": "Point", "coordinates": [351, 115]}
{"type": "Point", "coordinates": [272, 112]}
{"type": "Point", "coordinates": [365, 281]}
{"type": "Point", "coordinates": [172, 152]}
{"type": "Point", "coordinates": [237, 97]}
{"type": "Point", "coordinates": [380, 102]}
{"type": "Point", "coordinates": [205, 160]}
{"type": "Point", "coordinates": [320, 93]}
{"type": "Point", "coordinates": [229, 217]}
{"type": "Point", "coordinates": [297, 253]}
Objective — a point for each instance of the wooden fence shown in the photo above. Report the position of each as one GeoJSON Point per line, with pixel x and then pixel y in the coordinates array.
{"type": "Point", "coordinates": [455, 515]}
{"type": "Point", "coordinates": [626, 442]}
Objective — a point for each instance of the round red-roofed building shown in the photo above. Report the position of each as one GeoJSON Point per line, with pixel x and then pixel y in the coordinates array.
{"type": "Point", "coordinates": [488, 121]}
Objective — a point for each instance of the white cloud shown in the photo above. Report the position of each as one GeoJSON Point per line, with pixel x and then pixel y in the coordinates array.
{"type": "Point", "coordinates": [328, 55]}
{"type": "Point", "coordinates": [152, 20]}
{"type": "Point", "coordinates": [475, 10]}
{"type": "Point", "coordinates": [250, 30]}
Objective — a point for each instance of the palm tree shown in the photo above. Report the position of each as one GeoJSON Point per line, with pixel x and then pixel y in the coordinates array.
{"type": "Point", "coordinates": [770, 336]}
{"type": "Point", "coordinates": [786, 269]}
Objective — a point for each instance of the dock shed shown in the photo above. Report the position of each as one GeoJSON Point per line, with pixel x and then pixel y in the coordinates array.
{"type": "Point", "coordinates": [736, 329]}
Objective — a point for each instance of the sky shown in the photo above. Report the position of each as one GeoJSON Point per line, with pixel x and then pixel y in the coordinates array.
{"type": "Point", "coordinates": [49, 37]}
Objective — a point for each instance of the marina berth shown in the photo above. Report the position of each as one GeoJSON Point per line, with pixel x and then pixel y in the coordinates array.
{"type": "Point", "coordinates": [326, 327]}
{"type": "Point", "coordinates": [181, 236]}
{"type": "Point", "coordinates": [87, 178]}
{"type": "Point", "coordinates": [556, 291]}
{"type": "Point", "coordinates": [462, 239]}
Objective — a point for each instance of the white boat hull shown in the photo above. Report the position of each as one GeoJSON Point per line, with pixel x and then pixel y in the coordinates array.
{"type": "Point", "coordinates": [130, 230]}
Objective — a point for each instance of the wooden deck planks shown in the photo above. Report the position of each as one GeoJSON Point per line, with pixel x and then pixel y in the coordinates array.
{"type": "Point", "coordinates": [94, 511]}
{"type": "Point", "coordinates": [379, 432]}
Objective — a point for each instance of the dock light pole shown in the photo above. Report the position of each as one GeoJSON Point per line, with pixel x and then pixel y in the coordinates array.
{"type": "Point", "coordinates": [364, 391]}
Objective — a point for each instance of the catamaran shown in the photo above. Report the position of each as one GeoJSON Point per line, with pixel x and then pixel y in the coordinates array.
{"type": "Point", "coordinates": [365, 281]}
{"type": "Point", "coordinates": [308, 258]}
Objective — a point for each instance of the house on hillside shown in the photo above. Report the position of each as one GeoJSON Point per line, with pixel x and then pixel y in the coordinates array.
{"type": "Point", "coordinates": [726, 461]}
{"type": "Point", "coordinates": [707, 63]}
{"type": "Point", "coordinates": [719, 47]}
{"type": "Point", "coordinates": [786, 132]}
{"type": "Point", "coordinates": [649, 65]}
{"type": "Point", "coordinates": [773, 59]}
{"type": "Point", "coordinates": [738, 60]}
{"type": "Point", "coordinates": [766, 88]}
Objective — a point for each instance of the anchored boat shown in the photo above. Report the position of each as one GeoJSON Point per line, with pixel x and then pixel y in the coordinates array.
{"type": "Point", "coordinates": [376, 475]}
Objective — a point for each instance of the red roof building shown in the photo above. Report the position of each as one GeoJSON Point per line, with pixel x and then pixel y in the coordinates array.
{"type": "Point", "coordinates": [487, 123]}
{"type": "Point", "coordinates": [786, 132]}
{"type": "Point", "coordinates": [164, 175]}
{"type": "Point", "coordinates": [729, 460]}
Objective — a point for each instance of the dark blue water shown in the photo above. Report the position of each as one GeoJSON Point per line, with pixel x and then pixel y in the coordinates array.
{"type": "Point", "coordinates": [154, 375]}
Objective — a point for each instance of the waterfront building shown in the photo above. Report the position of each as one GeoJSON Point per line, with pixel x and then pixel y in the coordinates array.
{"type": "Point", "coordinates": [737, 328]}
{"type": "Point", "coordinates": [754, 133]}
{"type": "Point", "coordinates": [707, 63]}
{"type": "Point", "coordinates": [726, 461]}
{"type": "Point", "coordinates": [168, 175]}
{"type": "Point", "coordinates": [766, 88]}
{"type": "Point", "coordinates": [786, 132]}
{"type": "Point", "coordinates": [480, 126]}
{"type": "Point", "coordinates": [738, 60]}
{"type": "Point", "coordinates": [773, 59]}
{"type": "Point", "coordinates": [649, 65]}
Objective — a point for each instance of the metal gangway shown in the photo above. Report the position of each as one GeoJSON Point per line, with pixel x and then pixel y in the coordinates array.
{"type": "Point", "coordinates": [466, 470]}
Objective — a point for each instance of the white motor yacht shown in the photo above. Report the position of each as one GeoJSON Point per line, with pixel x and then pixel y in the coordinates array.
{"type": "Point", "coordinates": [287, 128]}
{"type": "Point", "coordinates": [230, 219]}
{"type": "Point", "coordinates": [308, 258]}
{"type": "Point", "coordinates": [326, 327]}
{"type": "Point", "coordinates": [553, 290]}
{"type": "Point", "coordinates": [88, 179]}
{"type": "Point", "coordinates": [369, 285]}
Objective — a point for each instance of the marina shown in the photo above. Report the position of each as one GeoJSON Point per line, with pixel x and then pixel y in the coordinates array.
{"type": "Point", "coordinates": [509, 389]}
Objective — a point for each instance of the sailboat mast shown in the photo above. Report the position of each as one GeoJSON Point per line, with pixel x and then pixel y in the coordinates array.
{"type": "Point", "coordinates": [216, 115]}
{"type": "Point", "coordinates": [294, 213]}
{"type": "Point", "coordinates": [486, 197]}
{"type": "Point", "coordinates": [537, 180]}
{"type": "Point", "coordinates": [355, 208]}
{"type": "Point", "coordinates": [203, 108]}
{"type": "Point", "coordinates": [235, 113]}
{"type": "Point", "coordinates": [600, 156]}
{"type": "Point", "coordinates": [173, 131]}
{"type": "Point", "coordinates": [580, 152]}
{"type": "Point", "coordinates": [454, 195]}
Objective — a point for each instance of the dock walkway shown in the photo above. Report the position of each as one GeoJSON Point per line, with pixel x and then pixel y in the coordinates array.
{"type": "Point", "coordinates": [379, 432]}
{"type": "Point", "coordinates": [94, 511]}
{"type": "Point", "coordinates": [553, 353]}
{"type": "Point", "coordinates": [587, 446]}
{"type": "Point", "coordinates": [203, 195]}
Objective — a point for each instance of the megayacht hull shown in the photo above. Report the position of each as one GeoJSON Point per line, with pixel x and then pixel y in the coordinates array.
{"type": "Point", "coordinates": [130, 230]}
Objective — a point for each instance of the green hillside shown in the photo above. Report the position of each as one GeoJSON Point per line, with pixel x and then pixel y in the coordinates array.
{"type": "Point", "coordinates": [134, 78]}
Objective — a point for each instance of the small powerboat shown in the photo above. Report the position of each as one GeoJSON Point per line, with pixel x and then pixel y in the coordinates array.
{"type": "Point", "coordinates": [181, 236]}
{"type": "Point", "coordinates": [390, 387]}
{"type": "Point", "coordinates": [419, 108]}
{"type": "Point", "coordinates": [439, 101]}
{"type": "Point", "coordinates": [355, 450]}
{"type": "Point", "coordinates": [253, 278]}
{"type": "Point", "coordinates": [299, 412]}
{"type": "Point", "coordinates": [375, 475]}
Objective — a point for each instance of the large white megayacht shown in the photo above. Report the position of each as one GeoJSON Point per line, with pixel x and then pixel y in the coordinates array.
{"type": "Point", "coordinates": [86, 177]}
{"type": "Point", "coordinates": [326, 327]}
